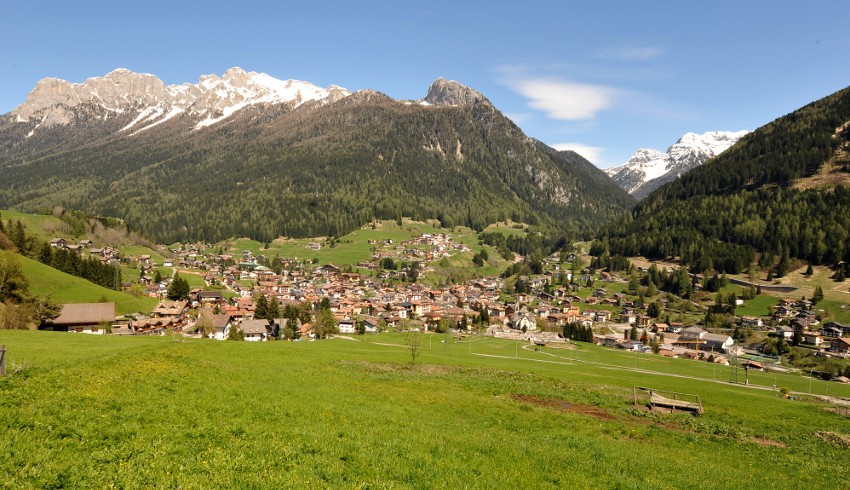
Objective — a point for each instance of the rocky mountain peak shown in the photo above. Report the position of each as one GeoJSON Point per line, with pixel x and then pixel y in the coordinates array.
{"type": "Point", "coordinates": [450, 93]}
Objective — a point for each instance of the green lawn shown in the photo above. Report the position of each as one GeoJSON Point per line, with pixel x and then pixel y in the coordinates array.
{"type": "Point", "coordinates": [507, 229]}
{"type": "Point", "coordinates": [44, 227]}
{"type": "Point", "coordinates": [194, 280]}
{"type": "Point", "coordinates": [156, 412]}
{"type": "Point", "coordinates": [137, 250]}
{"type": "Point", "coordinates": [65, 288]}
{"type": "Point", "coordinates": [758, 306]}
{"type": "Point", "coordinates": [838, 311]}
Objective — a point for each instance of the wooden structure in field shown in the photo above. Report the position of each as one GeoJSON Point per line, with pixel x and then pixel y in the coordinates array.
{"type": "Point", "coordinates": [668, 401]}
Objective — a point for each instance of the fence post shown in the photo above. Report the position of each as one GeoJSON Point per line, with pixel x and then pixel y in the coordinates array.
{"type": "Point", "coordinates": [2, 360]}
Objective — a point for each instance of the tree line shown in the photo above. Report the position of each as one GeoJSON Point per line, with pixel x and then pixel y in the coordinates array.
{"type": "Point", "coordinates": [727, 233]}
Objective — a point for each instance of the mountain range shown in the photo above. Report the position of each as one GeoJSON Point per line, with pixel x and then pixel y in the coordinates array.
{"type": "Point", "coordinates": [246, 154]}
{"type": "Point", "coordinates": [649, 169]}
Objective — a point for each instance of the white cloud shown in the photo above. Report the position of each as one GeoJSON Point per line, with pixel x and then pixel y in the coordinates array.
{"type": "Point", "coordinates": [519, 117]}
{"type": "Point", "coordinates": [631, 53]}
{"type": "Point", "coordinates": [591, 153]}
{"type": "Point", "coordinates": [564, 100]}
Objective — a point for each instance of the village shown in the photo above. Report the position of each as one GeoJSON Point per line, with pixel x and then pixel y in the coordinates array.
{"type": "Point", "coordinates": [555, 307]}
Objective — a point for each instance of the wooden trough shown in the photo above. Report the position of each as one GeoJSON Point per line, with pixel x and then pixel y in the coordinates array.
{"type": "Point", "coordinates": [669, 401]}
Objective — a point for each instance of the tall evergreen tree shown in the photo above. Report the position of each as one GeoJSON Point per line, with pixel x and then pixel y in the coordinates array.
{"type": "Point", "coordinates": [261, 307]}
{"type": "Point", "coordinates": [178, 289]}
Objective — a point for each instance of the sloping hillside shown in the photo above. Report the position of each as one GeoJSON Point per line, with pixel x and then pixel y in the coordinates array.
{"type": "Point", "coordinates": [65, 288]}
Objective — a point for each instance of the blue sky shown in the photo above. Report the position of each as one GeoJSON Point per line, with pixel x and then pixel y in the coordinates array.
{"type": "Point", "coordinates": [602, 77]}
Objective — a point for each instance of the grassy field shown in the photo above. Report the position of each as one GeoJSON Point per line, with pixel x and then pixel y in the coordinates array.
{"type": "Point", "coordinates": [44, 227]}
{"type": "Point", "coordinates": [836, 294]}
{"type": "Point", "coordinates": [65, 288]}
{"type": "Point", "coordinates": [138, 250]}
{"type": "Point", "coordinates": [89, 411]}
{"type": "Point", "coordinates": [758, 306]}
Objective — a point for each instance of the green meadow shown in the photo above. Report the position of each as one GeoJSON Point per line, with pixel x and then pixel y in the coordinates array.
{"type": "Point", "coordinates": [65, 288]}
{"type": "Point", "coordinates": [44, 227]}
{"type": "Point", "coordinates": [90, 411]}
{"type": "Point", "coordinates": [758, 306]}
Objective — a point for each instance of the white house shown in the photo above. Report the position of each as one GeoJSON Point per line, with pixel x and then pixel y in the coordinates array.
{"type": "Point", "coordinates": [255, 330]}
{"type": "Point", "coordinates": [347, 326]}
{"type": "Point", "coordinates": [814, 338]}
{"type": "Point", "coordinates": [221, 325]}
{"type": "Point", "coordinates": [525, 322]}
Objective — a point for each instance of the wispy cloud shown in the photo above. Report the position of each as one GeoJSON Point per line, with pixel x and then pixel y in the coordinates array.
{"type": "Point", "coordinates": [631, 53]}
{"type": "Point", "coordinates": [562, 99]}
{"type": "Point", "coordinates": [519, 117]}
{"type": "Point", "coordinates": [591, 153]}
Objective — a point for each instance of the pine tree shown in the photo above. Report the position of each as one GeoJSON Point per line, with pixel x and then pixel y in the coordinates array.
{"type": "Point", "coordinates": [45, 255]}
{"type": "Point", "coordinates": [261, 307]}
{"type": "Point", "coordinates": [178, 289]}
{"type": "Point", "coordinates": [273, 309]}
{"type": "Point", "coordinates": [817, 297]}
{"type": "Point", "coordinates": [19, 237]}
{"type": "Point", "coordinates": [784, 263]}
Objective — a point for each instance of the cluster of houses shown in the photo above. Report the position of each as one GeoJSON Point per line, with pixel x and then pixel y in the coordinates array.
{"type": "Point", "coordinates": [675, 340]}
{"type": "Point", "coordinates": [370, 302]}
{"type": "Point", "coordinates": [86, 247]}
{"type": "Point", "coordinates": [424, 248]}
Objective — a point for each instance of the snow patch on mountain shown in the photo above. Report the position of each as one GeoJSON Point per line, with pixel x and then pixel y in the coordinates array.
{"type": "Point", "coordinates": [649, 169]}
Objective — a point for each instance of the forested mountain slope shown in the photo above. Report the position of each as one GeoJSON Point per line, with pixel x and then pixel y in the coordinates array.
{"type": "Point", "coordinates": [756, 201]}
{"type": "Point", "coordinates": [293, 167]}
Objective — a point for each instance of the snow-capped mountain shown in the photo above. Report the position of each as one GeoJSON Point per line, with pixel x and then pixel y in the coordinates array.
{"type": "Point", "coordinates": [649, 169]}
{"type": "Point", "coordinates": [152, 103]}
